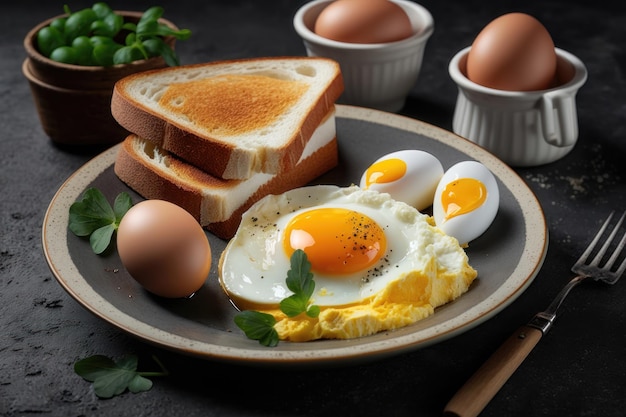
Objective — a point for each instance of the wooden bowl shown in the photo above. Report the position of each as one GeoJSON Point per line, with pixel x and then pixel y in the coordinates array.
{"type": "Point", "coordinates": [74, 116]}
{"type": "Point", "coordinates": [74, 101]}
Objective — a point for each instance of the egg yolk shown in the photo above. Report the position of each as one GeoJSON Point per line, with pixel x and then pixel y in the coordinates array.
{"type": "Point", "coordinates": [387, 170]}
{"type": "Point", "coordinates": [462, 196]}
{"type": "Point", "coordinates": [336, 240]}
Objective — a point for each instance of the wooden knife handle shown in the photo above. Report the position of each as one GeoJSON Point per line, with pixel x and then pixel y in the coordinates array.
{"type": "Point", "coordinates": [470, 400]}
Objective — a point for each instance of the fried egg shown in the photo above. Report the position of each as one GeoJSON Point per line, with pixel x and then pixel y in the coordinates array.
{"type": "Point", "coordinates": [378, 263]}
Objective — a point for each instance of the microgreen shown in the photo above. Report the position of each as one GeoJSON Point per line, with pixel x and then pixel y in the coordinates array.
{"type": "Point", "coordinates": [112, 378]}
{"type": "Point", "coordinates": [300, 281]}
{"type": "Point", "coordinates": [93, 216]}
{"type": "Point", "coordinates": [260, 326]}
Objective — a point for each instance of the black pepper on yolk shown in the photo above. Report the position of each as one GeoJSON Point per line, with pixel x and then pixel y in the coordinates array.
{"type": "Point", "coordinates": [336, 240]}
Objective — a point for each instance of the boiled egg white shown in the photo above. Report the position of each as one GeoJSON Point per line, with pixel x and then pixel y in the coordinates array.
{"type": "Point", "coordinates": [466, 201]}
{"type": "Point", "coordinates": [408, 175]}
{"type": "Point", "coordinates": [378, 263]}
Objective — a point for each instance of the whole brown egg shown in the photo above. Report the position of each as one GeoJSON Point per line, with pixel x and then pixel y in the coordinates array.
{"type": "Point", "coordinates": [363, 21]}
{"type": "Point", "coordinates": [164, 248]}
{"type": "Point", "coordinates": [514, 52]}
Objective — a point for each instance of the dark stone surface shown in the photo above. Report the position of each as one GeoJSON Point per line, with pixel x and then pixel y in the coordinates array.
{"type": "Point", "coordinates": [577, 369]}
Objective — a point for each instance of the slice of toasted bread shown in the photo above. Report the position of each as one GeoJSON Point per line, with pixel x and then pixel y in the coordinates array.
{"type": "Point", "coordinates": [231, 118]}
{"type": "Point", "coordinates": [216, 203]}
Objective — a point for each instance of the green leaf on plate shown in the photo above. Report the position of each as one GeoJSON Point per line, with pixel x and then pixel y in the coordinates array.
{"type": "Point", "coordinates": [93, 216]}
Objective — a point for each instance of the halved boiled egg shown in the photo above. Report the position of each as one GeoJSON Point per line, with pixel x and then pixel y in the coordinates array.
{"type": "Point", "coordinates": [466, 201]}
{"type": "Point", "coordinates": [408, 175]}
{"type": "Point", "coordinates": [378, 263]}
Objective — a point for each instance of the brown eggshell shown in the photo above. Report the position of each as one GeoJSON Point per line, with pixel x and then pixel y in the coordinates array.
{"type": "Point", "coordinates": [363, 21]}
{"type": "Point", "coordinates": [164, 248]}
{"type": "Point", "coordinates": [514, 52]}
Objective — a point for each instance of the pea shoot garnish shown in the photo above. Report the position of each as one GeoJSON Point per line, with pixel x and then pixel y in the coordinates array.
{"type": "Point", "coordinates": [260, 326]}
{"type": "Point", "coordinates": [100, 36]}
{"type": "Point", "coordinates": [112, 378]}
{"type": "Point", "coordinates": [93, 216]}
{"type": "Point", "coordinates": [300, 281]}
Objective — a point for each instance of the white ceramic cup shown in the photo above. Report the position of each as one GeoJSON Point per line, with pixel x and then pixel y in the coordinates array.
{"type": "Point", "coordinates": [522, 128]}
{"type": "Point", "coordinates": [377, 75]}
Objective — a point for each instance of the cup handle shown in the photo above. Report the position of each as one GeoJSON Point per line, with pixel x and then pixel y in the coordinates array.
{"type": "Point", "coordinates": [559, 119]}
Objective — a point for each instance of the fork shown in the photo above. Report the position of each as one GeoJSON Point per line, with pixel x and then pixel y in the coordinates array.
{"type": "Point", "coordinates": [476, 393]}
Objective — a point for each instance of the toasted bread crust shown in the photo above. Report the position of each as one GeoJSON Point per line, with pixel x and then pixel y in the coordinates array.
{"type": "Point", "coordinates": [212, 155]}
{"type": "Point", "coordinates": [217, 203]}
{"type": "Point", "coordinates": [139, 175]}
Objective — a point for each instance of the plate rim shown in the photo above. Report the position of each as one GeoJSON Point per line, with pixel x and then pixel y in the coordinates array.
{"type": "Point", "coordinates": [535, 248]}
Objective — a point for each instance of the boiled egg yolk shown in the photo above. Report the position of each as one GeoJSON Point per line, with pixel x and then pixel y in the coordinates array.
{"type": "Point", "coordinates": [385, 171]}
{"type": "Point", "coordinates": [462, 196]}
{"type": "Point", "coordinates": [336, 240]}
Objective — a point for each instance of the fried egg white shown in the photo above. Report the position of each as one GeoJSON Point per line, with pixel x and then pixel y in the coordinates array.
{"type": "Point", "coordinates": [378, 264]}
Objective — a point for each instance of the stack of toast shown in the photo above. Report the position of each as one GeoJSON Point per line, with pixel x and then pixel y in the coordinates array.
{"type": "Point", "coordinates": [215, 138]}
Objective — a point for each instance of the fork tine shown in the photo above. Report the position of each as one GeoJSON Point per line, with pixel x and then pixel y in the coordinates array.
{"type": "Point", "coordinates": [622, 268]}
{"type": "Point", "coordinates": [620, 246]}
{"type": "Point", "coordinates": [607, 243]}
{"type": "Point", "coordinates": [595, 240]}
{"type": "Point", "coordinates": [605, 273]}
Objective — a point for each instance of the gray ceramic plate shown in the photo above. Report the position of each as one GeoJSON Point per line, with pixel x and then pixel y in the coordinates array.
{"type": "Point", "coordinates": [507, 257]}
